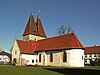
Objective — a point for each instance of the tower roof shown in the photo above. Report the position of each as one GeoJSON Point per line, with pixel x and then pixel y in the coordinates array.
{"type": "Point", "coordinates": [34, 28]}
{"type": "Point", "coordinates": [40, 30]}
{"type": "Point", "coordinates": [30, 27]}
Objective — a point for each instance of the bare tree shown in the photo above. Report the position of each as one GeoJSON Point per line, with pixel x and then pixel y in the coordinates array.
{"type": "Point", "coordinates": [70, 30]}
{"type": "Point", "coordinates": [65, 30]}
{"type": "Point", "coordinates": [62, 30]}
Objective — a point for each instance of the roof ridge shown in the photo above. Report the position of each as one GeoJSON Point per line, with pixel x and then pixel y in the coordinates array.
{"type": "Point", "coordinates": [55, 37]}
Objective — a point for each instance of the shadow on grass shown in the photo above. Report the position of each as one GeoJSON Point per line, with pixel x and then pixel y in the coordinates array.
{"type": "Point", "coordinates": [74, 71]}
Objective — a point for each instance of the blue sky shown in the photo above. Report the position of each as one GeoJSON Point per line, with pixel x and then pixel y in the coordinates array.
{"type": "Point", "coordinates": [82, 15]}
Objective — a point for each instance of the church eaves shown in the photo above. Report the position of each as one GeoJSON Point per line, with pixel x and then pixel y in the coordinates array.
{"type": "Point", "coordinates": [63, 42]}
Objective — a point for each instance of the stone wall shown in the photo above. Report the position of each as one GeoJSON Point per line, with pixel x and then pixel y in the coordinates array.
{"type": "Point", "coordinates": [75, 58]}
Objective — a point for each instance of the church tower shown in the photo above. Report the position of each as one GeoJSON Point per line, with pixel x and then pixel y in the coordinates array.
{"type": "Point", "coordinates": [34, 31]}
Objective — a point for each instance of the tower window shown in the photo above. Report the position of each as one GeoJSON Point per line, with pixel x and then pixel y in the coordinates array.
{"type": "Point", "coordinates": [64, 57]}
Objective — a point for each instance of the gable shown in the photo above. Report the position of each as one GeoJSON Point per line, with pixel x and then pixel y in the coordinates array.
{"type": "Point", "coordinates": [26, 47]}
{"type": "Point", "coordinates": [15, 48]}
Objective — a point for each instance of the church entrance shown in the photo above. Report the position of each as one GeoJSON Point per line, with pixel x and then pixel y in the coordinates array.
{"type": "Point", "coordinates": [14, 61]}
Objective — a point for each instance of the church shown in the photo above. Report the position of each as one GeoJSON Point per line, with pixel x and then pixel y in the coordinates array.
{"type": "Point", "coordinates": [36, 49]}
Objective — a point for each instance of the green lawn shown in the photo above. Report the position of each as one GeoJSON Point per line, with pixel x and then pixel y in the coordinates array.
{"type": "Point", "coordinates": [29, 70]}
{"type": "Point", "coordinates": [25, 70]}
{"type": "Point", "coordinates": [92, 67]}
{"type": "Point", "coordinates": [88, 70]}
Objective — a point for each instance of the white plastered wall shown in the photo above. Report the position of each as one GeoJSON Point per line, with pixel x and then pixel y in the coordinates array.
{"type": "Point", "coordinates": [76, 58]}
{"type": "Point", "coordinates": [4, 59]}
{"type": "Point", "coordinates": [28, 58]}
{"type": "Point", "coordinates": [32, 37]}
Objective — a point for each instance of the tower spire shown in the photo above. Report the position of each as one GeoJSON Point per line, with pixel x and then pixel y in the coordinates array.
{"type": "Point", "coordinates": [33, 31]}
{"type": "Point", "coordinates": [30, 27]}
{"type": "Point", "coordinates": [40, 30]}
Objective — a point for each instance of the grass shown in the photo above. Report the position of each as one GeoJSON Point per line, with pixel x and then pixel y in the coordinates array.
{"type": "Point", "coordinates": [92, 67]}
{"type": "Point", "coordinates": [88, 70]}
{"type": "Point", "coordinates": [24, 70]}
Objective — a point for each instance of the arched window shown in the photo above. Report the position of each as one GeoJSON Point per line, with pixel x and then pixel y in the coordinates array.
{"type": "Point", "coordinates": [64, 57]}
{"type": "Point", "coordinates": [82, 57]}
{"type": "Point", "coordinates": [51, 57]}
{"type": "Point", "coordinates": [15, 52]}
{"type": "Point", "coordinates": [39, 57]}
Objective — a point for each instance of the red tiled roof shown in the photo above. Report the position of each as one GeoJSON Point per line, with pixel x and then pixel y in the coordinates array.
{"type": "Point", "coordinates": [68, 41]}
{"type": "Point", "coordinates": [27, 47]}
{"type": "Point", "coordinates": [92, 50]}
